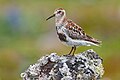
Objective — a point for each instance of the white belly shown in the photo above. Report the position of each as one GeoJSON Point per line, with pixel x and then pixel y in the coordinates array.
{"type": "Point", "coordinates": [72, 42]}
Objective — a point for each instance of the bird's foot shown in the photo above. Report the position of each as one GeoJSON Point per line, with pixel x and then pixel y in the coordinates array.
{"type": "Point", "coordinates": [69, 55]}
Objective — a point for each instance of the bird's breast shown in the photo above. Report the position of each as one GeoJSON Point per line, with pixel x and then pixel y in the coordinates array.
{"type": "Point", "coordinates": [62, 37]}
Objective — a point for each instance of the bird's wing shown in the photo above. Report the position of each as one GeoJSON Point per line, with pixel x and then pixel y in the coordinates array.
{"type": "Point", "coordinates": [76, 32]}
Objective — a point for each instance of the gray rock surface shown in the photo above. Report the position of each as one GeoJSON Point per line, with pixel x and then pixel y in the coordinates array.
{"type": "Point", "coordinates": [83, 66]}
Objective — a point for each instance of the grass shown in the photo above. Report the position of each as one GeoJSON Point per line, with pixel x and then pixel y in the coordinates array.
{"type": "Point", "coordinates": [20, 47]}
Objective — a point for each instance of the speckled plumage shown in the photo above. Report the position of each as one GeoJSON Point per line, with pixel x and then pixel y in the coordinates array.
{"type": "Point", "coordinates": [70, 33]}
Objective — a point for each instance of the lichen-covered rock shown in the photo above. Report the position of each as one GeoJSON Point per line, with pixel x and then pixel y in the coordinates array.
{"type": "Point", "coordinates": [83, 66]}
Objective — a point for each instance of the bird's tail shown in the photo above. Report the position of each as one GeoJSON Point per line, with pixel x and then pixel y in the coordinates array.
{"type": "Point", "coordinates": [93, 41]}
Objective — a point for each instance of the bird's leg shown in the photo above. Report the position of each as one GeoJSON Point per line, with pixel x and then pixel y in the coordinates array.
{"type": "Point", "coordinates": [71, 50]}
{"type": "Point", "coordinates": [74, 50]}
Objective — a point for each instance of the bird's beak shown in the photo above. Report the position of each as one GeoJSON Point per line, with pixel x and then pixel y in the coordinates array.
{"type": "Point", "coordinates": [50, 17]}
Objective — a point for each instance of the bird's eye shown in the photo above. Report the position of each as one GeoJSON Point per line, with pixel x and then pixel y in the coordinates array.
{"type": "Point", "coordinates": [59, 11]}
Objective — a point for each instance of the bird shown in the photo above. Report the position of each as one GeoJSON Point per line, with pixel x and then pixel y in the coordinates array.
{"type": "Point", "coordinates": [70, 33]}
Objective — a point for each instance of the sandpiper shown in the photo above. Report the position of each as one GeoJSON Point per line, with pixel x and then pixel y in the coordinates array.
{"type": "Point", "coordinates": [70, 33]}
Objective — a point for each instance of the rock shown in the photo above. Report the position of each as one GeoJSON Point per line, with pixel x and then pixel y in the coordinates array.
{"type": "Point", "coordinates": [83, 66]}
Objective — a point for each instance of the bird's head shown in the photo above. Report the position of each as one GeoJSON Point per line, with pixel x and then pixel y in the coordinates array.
{"type": "Point", "coordinates": [58, 13]}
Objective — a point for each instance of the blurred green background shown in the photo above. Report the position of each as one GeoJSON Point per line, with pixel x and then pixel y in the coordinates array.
{"type": "Point", "coordinates": [25, 35]}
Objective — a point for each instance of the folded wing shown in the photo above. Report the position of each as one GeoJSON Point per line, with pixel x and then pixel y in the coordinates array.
{"type": "Point", "coordinates": [76, 32]}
